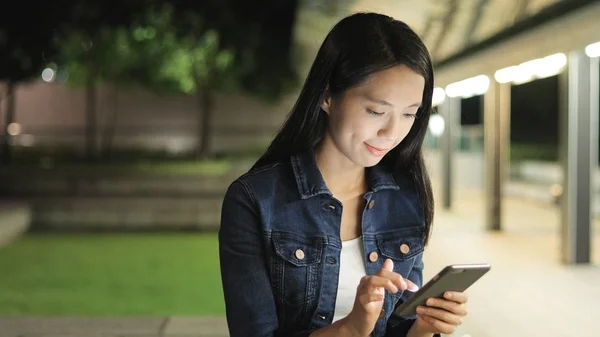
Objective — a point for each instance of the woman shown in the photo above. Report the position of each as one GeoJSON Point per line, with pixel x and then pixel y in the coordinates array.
{"type": "Point", "coordinates": [324, 236]}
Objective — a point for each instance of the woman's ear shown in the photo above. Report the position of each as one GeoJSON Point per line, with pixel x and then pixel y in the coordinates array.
{"type": "Point", "coordinates": [326, 103]}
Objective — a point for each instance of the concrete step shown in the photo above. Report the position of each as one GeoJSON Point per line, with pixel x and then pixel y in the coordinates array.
{"type": "Point", "coordinates": [57, 184]}
{"type": "Point", "coordinates": [15, 219]}
{"type": "Point", "coordinates": [121, 213]}
{"type": "Point", "coordinates": [115, 187]}
{"type": "Point", "coordinates": [144, 202]}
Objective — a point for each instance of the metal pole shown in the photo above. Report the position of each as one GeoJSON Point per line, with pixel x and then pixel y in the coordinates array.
{"type": "Point", "coordinates": [579, 153]}
{"type": "Point", "coordinates": [450, 110]}
{"type": "Point", "coordinates": [496, 121]}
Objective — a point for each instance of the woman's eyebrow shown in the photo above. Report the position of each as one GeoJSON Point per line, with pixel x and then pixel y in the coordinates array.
{"type": "Point", "coordinates": [384, 102]}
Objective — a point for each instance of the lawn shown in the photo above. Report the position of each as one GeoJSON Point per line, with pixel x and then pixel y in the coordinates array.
{"type": "Point", "coordinates": [133, 167]}
{"type": "Point", "coordinates": [111, 274]}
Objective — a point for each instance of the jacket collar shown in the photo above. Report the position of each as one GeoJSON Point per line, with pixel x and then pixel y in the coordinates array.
{"type": "Point", "coordinates": [310, 181]}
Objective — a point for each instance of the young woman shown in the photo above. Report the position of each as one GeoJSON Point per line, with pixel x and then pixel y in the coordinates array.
{"type": "Point", "coordinates": [324, 236]}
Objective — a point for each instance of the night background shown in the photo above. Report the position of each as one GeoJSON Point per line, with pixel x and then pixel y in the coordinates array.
{"type": "Point", "coordinates": [123, 122]}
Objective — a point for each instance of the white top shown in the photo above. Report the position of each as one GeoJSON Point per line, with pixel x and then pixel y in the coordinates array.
{"type": "Point", "coordinates": [352, 269]}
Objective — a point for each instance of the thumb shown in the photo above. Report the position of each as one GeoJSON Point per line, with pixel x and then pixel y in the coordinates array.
{"type": "Point", "coordinates": [388, 265]}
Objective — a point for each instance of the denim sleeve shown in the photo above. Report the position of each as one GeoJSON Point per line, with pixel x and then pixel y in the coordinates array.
{"type": "Point", "coordinates": [249, 302]}
{"type": "Point", "coordinates": [398, 326]}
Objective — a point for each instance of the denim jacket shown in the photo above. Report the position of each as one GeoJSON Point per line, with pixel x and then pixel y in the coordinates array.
{"type": "Point", "coordinates": [279, 246]}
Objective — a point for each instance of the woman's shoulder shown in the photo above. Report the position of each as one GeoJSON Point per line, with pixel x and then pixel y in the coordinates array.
{"type": "Point", "coordinates": [264, 177]}
{"type": "Point", "coordinates": [403, 177]}
{"type": "Point", "coordinates": [263, 173]}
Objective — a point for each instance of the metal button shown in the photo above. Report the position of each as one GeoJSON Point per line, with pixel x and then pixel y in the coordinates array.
{"type": "Point", "coordinates": [322, 316]}
{"type": "Point", "coordinates": [332, 207]}
{"type": "Point", "coordinates": [404, 248]}
{"type": "Point", "coordinates": [371, 204]}
{"type": "Point", "coordinates": [299, 254]}
{"type": "Point", "coordinates": [373, 256]}
{"type": "Point", "coordinates": [331, 260]}
{"type": "Point", "coordinates": [382, 314]}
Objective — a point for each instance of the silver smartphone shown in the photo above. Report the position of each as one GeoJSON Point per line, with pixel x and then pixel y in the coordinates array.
{"type": "Point", "coordinates": [457, 277]}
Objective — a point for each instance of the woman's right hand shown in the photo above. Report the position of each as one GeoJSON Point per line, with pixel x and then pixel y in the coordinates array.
{"type": "Point", "coordinates": [369, 298]}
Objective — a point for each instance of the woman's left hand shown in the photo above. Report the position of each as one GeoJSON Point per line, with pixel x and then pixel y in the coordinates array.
{"type": "Point", "coordinates": [442, 315]}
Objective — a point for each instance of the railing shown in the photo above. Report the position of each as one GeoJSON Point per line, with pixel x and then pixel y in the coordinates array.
{"type": "Point", "coordinates": [470, 139]}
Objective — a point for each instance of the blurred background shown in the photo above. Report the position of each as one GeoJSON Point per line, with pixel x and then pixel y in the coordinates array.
{"type": "Point", "coordinates": [123, 122]}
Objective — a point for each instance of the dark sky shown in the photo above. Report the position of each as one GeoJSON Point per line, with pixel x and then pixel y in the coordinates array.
{"type": "Point", "coordinates": [534, 111]}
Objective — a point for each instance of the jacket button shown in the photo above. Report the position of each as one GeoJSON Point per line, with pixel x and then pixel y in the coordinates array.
{"type": "Point", "coordinates": [331, 260]}
{"type": "Point", "coordinates": [404, 248]}
{"type": "Point", "coordinates": [299, 254]}
{"type": "Point", "coordinates": [373, 256]}
{"type": "Point", "coordinates": [382, 314]}
{"type": "Point", "coordinates": [371, 204]}
{"type": "Point", "coordinates": [332, 207]}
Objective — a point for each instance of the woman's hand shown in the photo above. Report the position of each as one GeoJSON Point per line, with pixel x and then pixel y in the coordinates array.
{"type": "Point", "coordinates": [370, 295]}
{"type": "Point", "coordinates": [442, 315]}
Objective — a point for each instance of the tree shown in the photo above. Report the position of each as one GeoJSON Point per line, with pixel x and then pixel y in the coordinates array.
{"type": "Point", "coordinates": [202, 55]}
{"type": "Point", "coordinates": [93, 48]}
{"type": "Point", "coordinates": [23, 53]}
{"type": "Point", "coordinates": [196, 63]}
{"type": "Point", "coordinates": [174, 48]}
{"type": "Point", "coordinates": [91, 59]}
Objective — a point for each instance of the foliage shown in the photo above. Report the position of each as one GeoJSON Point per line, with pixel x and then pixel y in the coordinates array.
{"type": "Point", "coordinates": [183, 61]}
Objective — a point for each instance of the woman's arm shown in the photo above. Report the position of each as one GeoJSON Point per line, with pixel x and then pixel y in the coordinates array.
{"type": "Point", "coordinates": [404, 326]}
{"type": "Point", "coordinates": [249, 302]}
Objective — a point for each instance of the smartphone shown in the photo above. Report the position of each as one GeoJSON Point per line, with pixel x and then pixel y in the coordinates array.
{"type": "Point", "coordinates": [457, 277]}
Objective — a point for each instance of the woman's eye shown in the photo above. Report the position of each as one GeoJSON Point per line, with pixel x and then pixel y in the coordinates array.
{"type": "Point", "coordinates": [371, 112]}
{"type": "Point", "coordinates": [411, 115]}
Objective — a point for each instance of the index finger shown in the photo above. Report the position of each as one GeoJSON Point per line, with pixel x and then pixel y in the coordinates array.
{"type": "Point", "coordinates": [399, 281]}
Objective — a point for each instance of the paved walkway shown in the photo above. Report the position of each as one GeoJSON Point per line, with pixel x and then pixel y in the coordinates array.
{"type": "Point", "coordinates": [527, 293]}
{"type": "Point", "coordinates": [113, 327]}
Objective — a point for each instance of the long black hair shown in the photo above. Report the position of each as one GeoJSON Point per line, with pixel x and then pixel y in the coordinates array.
{"type": "Point", "coordinates": [356, 47]}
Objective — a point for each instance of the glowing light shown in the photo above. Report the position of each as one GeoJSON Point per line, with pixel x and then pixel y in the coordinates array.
{"type": "Point", "coordinates": [593, 50]}
{"type": "Point", "coordinates": [439, 95]}
{"type": "Point", "coordinates": [469, 87]}
{"type": "Point", "coordinates": [48, 75]}
{"type": "Point", "coordinates": [26, 140]}
{"type": "Point", "coordinates": [527, 71]}
{"type": "Point", "coordinates": [14, 129]}
{"type": "Point", "coordinates": [436, 125]}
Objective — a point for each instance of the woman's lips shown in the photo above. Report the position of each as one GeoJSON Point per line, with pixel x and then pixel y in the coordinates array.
{"type": "Point", "coordinates": [375, 150]}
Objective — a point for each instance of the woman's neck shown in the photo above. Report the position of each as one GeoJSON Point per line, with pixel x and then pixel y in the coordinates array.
{"type": "Point", "coordinates": [342, 176]}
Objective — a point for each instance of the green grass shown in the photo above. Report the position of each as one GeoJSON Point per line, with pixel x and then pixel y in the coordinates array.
{"type": "Point", "coordinates": [111, 274]}
{"type": "Point", "coordinates": [175, 167]}
{"type": "Point", "coordinates": [179, 167]}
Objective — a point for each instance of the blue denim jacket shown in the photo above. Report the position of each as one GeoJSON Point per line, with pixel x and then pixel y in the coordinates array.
{"type": "Point", "coordinates": [270, 213]}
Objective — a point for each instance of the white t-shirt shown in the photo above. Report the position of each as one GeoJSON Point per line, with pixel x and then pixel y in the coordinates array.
{"type": "Point", "coordinates": [352, 269]}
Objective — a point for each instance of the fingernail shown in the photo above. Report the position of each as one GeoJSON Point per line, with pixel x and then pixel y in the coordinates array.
{"type": "Point", "coordinates": [448, 295]}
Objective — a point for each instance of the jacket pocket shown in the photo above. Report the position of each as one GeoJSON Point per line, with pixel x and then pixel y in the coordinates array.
{"type": "Point", "coordinates": [402, 247]}
{"type": "Point", "coordinates": [296, 266]}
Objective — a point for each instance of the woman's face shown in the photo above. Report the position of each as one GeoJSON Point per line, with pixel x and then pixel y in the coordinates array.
{"type": "Point", "coordinates": [368, 121]}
